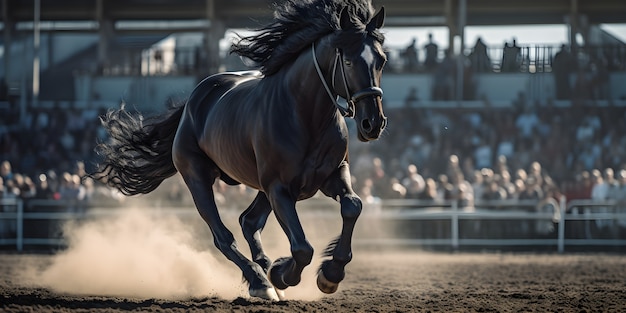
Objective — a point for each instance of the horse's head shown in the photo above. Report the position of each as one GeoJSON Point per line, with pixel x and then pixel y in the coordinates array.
{"type": "Point", "coordinates": [357, 72]}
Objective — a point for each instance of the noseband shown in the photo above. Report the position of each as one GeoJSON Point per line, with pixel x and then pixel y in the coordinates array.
{"type": "Point", "coordinates": [352, 100]}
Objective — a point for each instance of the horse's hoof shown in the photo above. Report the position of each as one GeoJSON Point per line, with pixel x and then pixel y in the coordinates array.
{"type": "Point", "coordinates": [324, 284]}
{"type": "Point", "coordinates": [266, 293]}
{"type": "Point", "coordinates": [274, 275]}
{"type": "Point", "coordinates": [281, 295]}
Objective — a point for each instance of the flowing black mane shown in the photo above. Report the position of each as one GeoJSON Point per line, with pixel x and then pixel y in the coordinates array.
{"type": "Point", "coordinates": [298, 23]}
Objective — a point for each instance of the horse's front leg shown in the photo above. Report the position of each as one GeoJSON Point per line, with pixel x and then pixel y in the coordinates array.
{"type": "Point", "coordinates": [339, 187]}
{"type": "Point", "coordinates": [287, 271]}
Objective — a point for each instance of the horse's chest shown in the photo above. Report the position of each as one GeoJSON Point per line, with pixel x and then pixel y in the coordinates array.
{"type": "Point", "coordinates": [316, 169]}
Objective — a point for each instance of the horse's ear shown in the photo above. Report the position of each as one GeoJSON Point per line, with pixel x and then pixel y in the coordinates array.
{"type": "Point", "coordinates": [378, 20]}
{"type": "Point", "coordinates": [344, 19]}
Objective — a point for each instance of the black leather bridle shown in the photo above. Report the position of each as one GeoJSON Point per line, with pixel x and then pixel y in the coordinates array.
{"type": "Point", "coordinates": [351, 99]}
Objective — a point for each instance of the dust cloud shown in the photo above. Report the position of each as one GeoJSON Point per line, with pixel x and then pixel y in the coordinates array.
{"type": "Point", "coordinates": [138, 254]}
{"type": "Point", "coordinates": [142, 254]}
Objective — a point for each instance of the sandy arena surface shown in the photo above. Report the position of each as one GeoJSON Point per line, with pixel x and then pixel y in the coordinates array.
{"type": "Point", "coordinates": [389, 281]}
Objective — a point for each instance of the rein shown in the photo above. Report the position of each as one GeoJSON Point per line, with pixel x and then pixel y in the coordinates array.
{"type": "Point", "coordinates": [352, 100]}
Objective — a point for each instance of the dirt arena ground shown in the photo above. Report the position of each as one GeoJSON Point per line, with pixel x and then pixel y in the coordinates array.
{"type": "Point", "coordinates": [384, 281]}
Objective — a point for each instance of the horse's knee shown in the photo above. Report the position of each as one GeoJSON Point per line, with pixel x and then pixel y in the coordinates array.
{"type": "Point", "coordinates": [351, 207]}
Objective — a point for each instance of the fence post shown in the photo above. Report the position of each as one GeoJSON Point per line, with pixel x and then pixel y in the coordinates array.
{"type": "Point", "coordinates": [19, 241]}
{"type": "Point", "coordinates": [454, 227]}
{"type": "Point", "coordinates": [561, 230]}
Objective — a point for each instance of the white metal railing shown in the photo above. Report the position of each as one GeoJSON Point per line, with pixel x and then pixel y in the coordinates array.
{"type": "Point", "coordinates": [13, 216]}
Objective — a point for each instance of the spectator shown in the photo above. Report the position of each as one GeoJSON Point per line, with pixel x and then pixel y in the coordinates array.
{"type": "Point", "coordinates": [511, 57]}
{"type": "Point", "coordinates": [5, 170]}
{"type": "Point", "coordinates": [414, 183]}
{"type": "Point", "coordinates": [479, 60]}
{"type": "Point", "coordinates": [532, 190]}
{"type": "Point", "coordinates": [444, 78]}
{"type": "Point", "coordinates": [563, 65]}
{"type": "Point", "coordinates": [430, 191]}
{"type": "Point", "coordinates": [494, 192]}
{"type": "Point", "coordinates": [527, 122]}
{"type": "Point", "coordinates": [410, 56]}
{"type": "Point", "coordinates": [431, 48]}
{"type": "Point", "coordinates": [43, 190]}
{"type": "Point", "coordinates": [461, 191]}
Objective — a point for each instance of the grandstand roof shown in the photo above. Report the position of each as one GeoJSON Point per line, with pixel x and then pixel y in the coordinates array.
{"type": "Point", "coordinates": [249, 13]}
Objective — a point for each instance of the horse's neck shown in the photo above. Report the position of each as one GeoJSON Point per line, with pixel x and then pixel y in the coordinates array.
{"type": "Point", "coordinates": [302, 80]}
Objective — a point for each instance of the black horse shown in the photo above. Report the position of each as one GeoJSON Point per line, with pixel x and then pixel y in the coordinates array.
{"type": "Point", "coordinates": [279, 130]}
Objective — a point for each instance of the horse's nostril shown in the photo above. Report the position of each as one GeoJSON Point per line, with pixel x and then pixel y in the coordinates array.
{"type": "Point", "coordinates": [366, 125]}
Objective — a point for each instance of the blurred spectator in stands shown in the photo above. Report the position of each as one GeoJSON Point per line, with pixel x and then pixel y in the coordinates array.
{"type": "Point", "coordinates": [413, 182]}
{"type": "Point", "coordinates": [395, 190]}
{"type": "Point", "coordinates": [479, 60]}
{"type": "Point", "coordinates": [25, 185]}
{"type": "Point", "coordinates": [505, 147]}
{"type": "Point", "coordinates": [43, 189]}
{"type": "Point", "coordinates": [430, 191]}
{"type": "Point", "coordinates": [618, 193]}
{"type": "Point", "coordinates": [461, 191]}
{"type": "Point", "coordinates": [73, 191]}
{"type": "Point", "coordinates": [532, 190]}
{"type": "Point", "coordinates": [548, 204]}
{"type": "Point", "coordinates": [581, 187]}
{"type": "Point", "coordinates": [379, 177]}
{"type": "Point", "coordinates": [535, 171]}
{"type": "Point", "coordinates": [508, 185]}
{"type": "Point", "coordinates": [600, 191]}
{"type": "Point", "coordinates": [618, 190]}
{"type": "Point", "coordinates": [493, 191]}
{"type": "Point", "coordinates": [444, 188]}
{"type": "Point", "coordinates": [501, 165]}
{"type": "Point", "coordinates": [453, 166]}
{"type": "Point", "coordinates": [478, 183]}
{"type": "Point", "coordinates": [599, 73]}
{"type": "Point", "coordinates": [483, 154]}
{"type": "Point", "coordinates": [444, 78]}
{"type": "Point", "coordinates": [511, 57]}
{"type": "Point", "coordinates": [7, 226]}
{"type": "Point", "coordinates": [431, 49]}
{"type": "Point", "coordinates": [410, 56]}
{"type": "Point", "coordinates": [563, 65]}
{"type": "Point", "coordinates": [6, 171]}
{"type": "Point", "coordinates": [526, 122]}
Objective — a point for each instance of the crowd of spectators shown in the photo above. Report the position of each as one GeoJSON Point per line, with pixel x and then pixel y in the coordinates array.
{"type": "Point", "coordinates": [557, 151]}
{"type": "Point", "coordinates": [528, 151]}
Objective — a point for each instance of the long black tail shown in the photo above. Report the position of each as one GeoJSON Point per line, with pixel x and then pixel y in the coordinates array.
{"type": "Point", "coordinates": [138, 155]}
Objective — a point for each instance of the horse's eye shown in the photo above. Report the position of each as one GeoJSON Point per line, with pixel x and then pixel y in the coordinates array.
{"type": "Point", "coordinates": [347, 62]}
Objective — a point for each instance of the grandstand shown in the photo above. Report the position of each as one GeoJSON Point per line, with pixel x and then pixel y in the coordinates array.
{"type": "Point", "coordinates": [497, 114]}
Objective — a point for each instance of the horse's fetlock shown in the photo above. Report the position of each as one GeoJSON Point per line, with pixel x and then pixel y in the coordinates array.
{"type": "Point", "coordinates": [303, 255]}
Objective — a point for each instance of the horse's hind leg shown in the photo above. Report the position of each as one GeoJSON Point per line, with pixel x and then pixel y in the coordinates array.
{"type": "Point", "coordinates": [252, 221]}
{"type": "Point", "coordinates": [332, 271]}
{"type": "Point", "coordinates": [199, 174]}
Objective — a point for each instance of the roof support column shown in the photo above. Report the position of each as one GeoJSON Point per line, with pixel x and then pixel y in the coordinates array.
{"type": "Point", "coordinates": [573, 26]}
{"type": "Point", "coordinates": [36, 42]}
{"type": "Point", "coordinates": [8, 42]}
{"type": "Point", "coordinates": [214, 33]}
{"type": "Point", "coordinates": [105, 33]}
{"type": "Point", "coordinates": [460, 57]}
